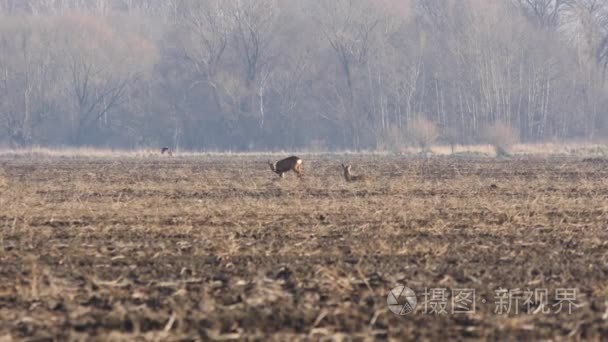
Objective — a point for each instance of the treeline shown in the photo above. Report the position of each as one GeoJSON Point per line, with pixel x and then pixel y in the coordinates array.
{"type": "Point", "coordinates": [288, 74]}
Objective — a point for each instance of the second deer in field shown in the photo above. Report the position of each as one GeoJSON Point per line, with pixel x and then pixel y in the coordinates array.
{"type": "Point", "coordinates": [290, 163]}
{"type": "Point", "coordinates": [166, 149]}
{"type": "Point", "coordinates": [349, 176]}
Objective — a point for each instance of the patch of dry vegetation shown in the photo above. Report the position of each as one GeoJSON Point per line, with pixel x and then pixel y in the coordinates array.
{"type": "Point", "coordinates": [423, 133]}
{"type": "Point", "coordinates": [501, 136]}
{"type": "Point", "coordinates": [3, 180]}
{"type": "Point", "coordinates": [220, 248]}
{"type": "Point", "coordinates": [394, 144]}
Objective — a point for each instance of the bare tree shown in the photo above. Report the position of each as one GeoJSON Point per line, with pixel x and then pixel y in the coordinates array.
{"type": "Point", "coordinates": [100, 67]}
{"type": "Point", "coordinates": [545, 13]}
{"type": "Point", "coordinates": [269, 74]}
{"type": "Point", "coordinates": [586, 25]}
{"type": "Point", "coordinates": [26, 68]}
{"type": "Point", "coordinates": [205, 29]}
{"type": "Point", "coordinates": [349, 27]}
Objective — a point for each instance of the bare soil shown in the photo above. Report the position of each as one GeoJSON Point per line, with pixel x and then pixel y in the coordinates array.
{"type": "Point", "coordinates": [218, 248]}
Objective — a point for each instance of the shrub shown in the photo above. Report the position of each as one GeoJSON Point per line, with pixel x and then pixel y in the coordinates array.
{"type": "Point", "coordinates": [501, 136]}
{"type": "Point", "coordinates": [423, 133]}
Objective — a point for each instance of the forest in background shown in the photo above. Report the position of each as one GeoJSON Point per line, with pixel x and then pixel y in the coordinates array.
{"type": "Point", "coordinates": [259, 75]}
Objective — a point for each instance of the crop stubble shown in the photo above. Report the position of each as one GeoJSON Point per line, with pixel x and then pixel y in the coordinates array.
{"type": "Point", "coordinates": [219, 247]}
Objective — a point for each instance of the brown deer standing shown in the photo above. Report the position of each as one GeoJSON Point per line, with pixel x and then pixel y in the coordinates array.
{"type": "Point", "coordinates": [291, 163]}
{"type": "Point", "coordinates": [349, 176]}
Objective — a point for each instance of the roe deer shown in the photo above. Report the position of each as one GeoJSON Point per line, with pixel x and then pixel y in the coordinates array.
{"type": "Point", "coordinates": [349, 176]}
{"type": "Point", "coordinates": [166, 149]}
{"type": "Point", "coordinates": [290, 163]}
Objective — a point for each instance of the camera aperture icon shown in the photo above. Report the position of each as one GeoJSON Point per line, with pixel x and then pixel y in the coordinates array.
{"type": "Point", "coordinates": [401, 300]}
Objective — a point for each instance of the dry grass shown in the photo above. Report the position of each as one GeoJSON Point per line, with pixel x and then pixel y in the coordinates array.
{"type": "Point", "coordinates": [581, 149]}
{"type": "Point", "coordinates": [501, 136]}
{"type": "Point", "coordinates": [216, 247]}
{"type": "Point", "coordinates": [571, 149]}
{"type": "Point", "coordinates": [3, 179]}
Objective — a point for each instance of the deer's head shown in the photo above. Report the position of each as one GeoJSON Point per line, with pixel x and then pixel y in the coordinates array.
{"type": "Point", "coordinates": [273, 166]}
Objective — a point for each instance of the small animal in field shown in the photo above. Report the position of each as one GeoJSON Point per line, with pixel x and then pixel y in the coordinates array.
{"type": "Point", "coordinates": [288, 164]}
{"type": "Point", "coordinates": [349, 177]}
{"type": "Point", "coordinates": [166, 149]}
